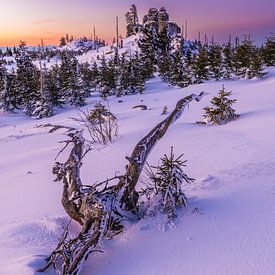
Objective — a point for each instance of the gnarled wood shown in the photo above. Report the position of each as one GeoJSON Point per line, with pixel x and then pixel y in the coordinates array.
{"type": "Point", "coordinates": [100, 211]}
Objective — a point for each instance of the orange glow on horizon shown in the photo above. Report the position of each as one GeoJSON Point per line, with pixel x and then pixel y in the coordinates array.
{"type": "Point", "coordinates": [33, 20]}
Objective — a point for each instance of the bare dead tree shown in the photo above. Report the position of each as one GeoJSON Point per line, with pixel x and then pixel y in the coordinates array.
{"type": "Point", "coordinates": [100, 209]}
{"type": "Point", "coordinates": [100, 123]}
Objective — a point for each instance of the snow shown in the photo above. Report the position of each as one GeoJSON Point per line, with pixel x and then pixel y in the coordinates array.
{"type": "Point", "coordinates": [228, 226]}
{"type": "Point", "coordinates": [130, 46]}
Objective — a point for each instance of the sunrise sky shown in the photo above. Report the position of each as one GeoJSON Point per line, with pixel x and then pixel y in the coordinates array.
{"type": "Point", "coordinates": [31, 20]}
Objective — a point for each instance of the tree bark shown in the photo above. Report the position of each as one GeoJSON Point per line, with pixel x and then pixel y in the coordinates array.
{"type": "Point", "coordinates": [99, 211]}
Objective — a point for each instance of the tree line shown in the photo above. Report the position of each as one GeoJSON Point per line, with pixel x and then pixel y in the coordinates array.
{"type": "Point", "coordinates": [37, 91]}
{"type": "Point", "coordinates": [183, 63]}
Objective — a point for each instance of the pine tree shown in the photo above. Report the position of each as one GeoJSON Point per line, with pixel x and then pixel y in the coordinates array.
{"type": "Point", "coordinates": [256, 68]}
{"type": "Point", "coordinates": [269, 51]}
{"type": "Point", "coordinates": [168, 181]}
{"type": "Point", "coordinates": [54, 86]}
{"type": "Point", "coordinates": [137, 80]}
{"type": "Point", "coordinates": [8, 95]}
{"type": "Point", "coordinates": [131, 20]}
{"type": "Point", "coordinates": [244, 54]}
{"type": "Point", "coordinates": [86, 76]}
{"type": "Point", "coordinates": [78, 94]}
{"type": "Point", "coordinates": [222, 111]}
{"type": "Point", "coordinates": [106, 78]}
{"type": "Point", "coordinates": [228, 53]}
{"type": "Point", "coordinates": [179, 74]}
{"type": "Point", "coordinates": [215, 61]}
{"type": "Point", "coordinates": [44, 105]}
{"type": "Point", "coordinates": [71, 82]}
{"type": "Point", "coordinates": [200, 65]}
{"type": "Point", "coordinates": [27, 80]}
{"type": "Point", "coordinates": [164, 51]}
{"type": "Point", "coordinates": [3, 73]}
{"type": "Point", "coordinates": [94, 76]}
{"type": "Point", "coordinates": [148, 52]}
{"type": "Point", "coordinates": [123, 81]}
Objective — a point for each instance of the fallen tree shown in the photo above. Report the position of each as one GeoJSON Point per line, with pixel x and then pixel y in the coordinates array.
{"type": "Point", "coordinates": [100, 208]}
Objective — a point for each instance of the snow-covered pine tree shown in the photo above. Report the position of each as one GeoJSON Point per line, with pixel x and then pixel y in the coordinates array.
{"type": "Point", "coordinates": [107, 82]}
{"type": "Point", "coordinates": [3, 73]}
{"type": "Point", "coordinates": [71, 82]}
{"type": "Point", "coordinates": [123, 83]}
{"type": "Point", "coordinates": [180, 74]}
{"type": "Point", "coordinates": [269, 51]}
{"type": "Point", "coordinates": [168, 180]}
{"type": "Point", "coordinates": [244, 54]}
{"type": "Point", "coordinates": [200, 65]}
{"type": "Point", "coordinates": [256, 68]}
{"type": "Point", "coordinates": [44, 105]}
{"type": "Point", "coordinates": [148, 51]}
{"type": "Point", "coordinates": [131, 20]}
{"type": "Point", "coordinates": [86, 76]}
{"type": "Point", "coordinates": [94, 77]}
{"type": "Point", "coordinates": [215, 61]}
{"type": "Point", "coordinates": [54, 86]}
{"type": "Point", "coordinates": [65, 73]}
{"type": "Point", "coordinates": [78, 94]}
{"type": "Point", "coordinates": [164, 54]}
{"type": "Point", "coordinates": [8, 95]}
{"type": "Point", "coordinates": [136, 77]}
{"type": "Point", "coordinates": [221, 112]}
{"type": "Point", "coordinates": [228, 66]}
{"type": "Point", "coordinates": [27, 80]}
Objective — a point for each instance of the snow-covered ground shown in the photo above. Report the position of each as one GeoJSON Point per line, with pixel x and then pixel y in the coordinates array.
{"type": "Point", "coordinates": [229, 225]}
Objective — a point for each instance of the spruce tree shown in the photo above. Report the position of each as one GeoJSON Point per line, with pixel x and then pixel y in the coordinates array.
{"type": "Point", "coordinates": [215, 61]}
{"type": "Point", "coordinates": [168, 179]}
{"type": "Point", "coordinates": [3, 73]}
{"type": "Point", "coordinates": [244, 54]}
{"type": "Point", "coordinates": [200, 65]}
{"type": "Point", "coordinates": [106, 78]}
{"type": "Point", "coordinates": [221, 112]}
{"type": "Point", "coordinates": [86, 76]}
{"type": "Point", "coordinates": [256, 68]}
{"type": "Point", "coordinates": [228, 65]}
{"type": "Point", "coordinates": [269, 51]}
{"type": "Point", "coordinates": [164, 54]}
{"type": "Point", "coordinates": [179, 74]}
{"type": "Point", "coordinates": [27, 80]}
{"type": "Point", "coordinates": [123, 83]}
{"type": "Point", "coordinates": [71, 82]}
{"type": "Point", "coordinates": [131, 20]}
{"type": "Point", "coordinates": [44, 105]}
{"type": "Point", "coordinates": [78, 94]}
{"type": "Point", "coordinates": [54, 86]}
{"type": "Point", "coordinates": [148, 51]}
{"type": "Point", "coordinates": [94, 77]}
{"type": "Point", "coordinates": [137, 80]}
{"type": "Point", "coordinates": [8, 95]}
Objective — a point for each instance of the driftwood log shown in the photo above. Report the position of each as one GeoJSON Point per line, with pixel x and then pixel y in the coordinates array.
{"type": "Point", "coordinates": [100, 208]}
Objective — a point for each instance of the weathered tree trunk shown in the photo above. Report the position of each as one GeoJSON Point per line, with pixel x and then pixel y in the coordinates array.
{"type": "Point", "coordinates": [142, 150]}
{"type": "Point", "coordinates": [100, 211]}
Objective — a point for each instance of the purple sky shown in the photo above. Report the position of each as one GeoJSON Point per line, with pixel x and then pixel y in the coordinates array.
{"type": "Point", "coordinates": [31, 20]}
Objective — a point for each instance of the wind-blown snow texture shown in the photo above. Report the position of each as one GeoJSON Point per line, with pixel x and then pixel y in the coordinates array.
{"type": "Point", "coordinates": [228, 227]}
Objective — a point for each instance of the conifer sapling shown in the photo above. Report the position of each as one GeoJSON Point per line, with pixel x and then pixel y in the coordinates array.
{"type": "Point", "coordinates": [168, 179]}
{"type": "Point", "coordinates": [221, 112]}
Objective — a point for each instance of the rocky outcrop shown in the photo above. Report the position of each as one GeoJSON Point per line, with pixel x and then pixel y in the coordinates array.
{"type": "Point", "coordinates": [159, 20]}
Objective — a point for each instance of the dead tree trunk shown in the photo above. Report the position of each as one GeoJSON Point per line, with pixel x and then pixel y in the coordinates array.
{"type": "Point", "coordinates": [99, 211]}
{"type": "Point", "coordinates": [142, 150]}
